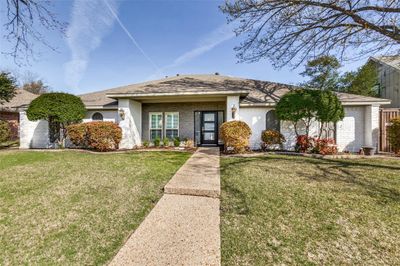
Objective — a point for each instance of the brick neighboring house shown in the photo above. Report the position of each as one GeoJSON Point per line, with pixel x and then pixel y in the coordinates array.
{"type": "Point", "coordinates": [9, 111]}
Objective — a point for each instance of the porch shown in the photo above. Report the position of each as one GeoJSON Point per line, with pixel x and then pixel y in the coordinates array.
{"type": "Point", "coordinates": [197, 118]}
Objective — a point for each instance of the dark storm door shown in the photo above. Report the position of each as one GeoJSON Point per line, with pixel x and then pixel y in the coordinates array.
{"type": "Point", "coordinates": [209, 128]}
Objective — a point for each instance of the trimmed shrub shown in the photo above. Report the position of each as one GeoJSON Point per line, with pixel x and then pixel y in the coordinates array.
{"type": "Point", "coordinates": [104, 136]}
{"type": "Point", "coordinates": [165, 142]}
{"type": "Point", "coordinates": [77, 134]}
{"type": "Point", "coordinates": [146, 144]}
{"type": "Point", "coordinates": [304, 143]}
{"type": "Point", "coordinates": [325, 146]}
{"type": "Point", "coordinates": [177, 142]}
{"type": "Point", "coordinates": [100, 136]}
{"type": "Point", "coordinates": [272, 137]}
{"type": "Point", "coordinates": [5, 131]}
{"type": "Point", "coordinates": [235, 135]}
{"type": "Point", "coordinates": [394, 135]}
{"type": "Point", "coordinates": [157, 142]}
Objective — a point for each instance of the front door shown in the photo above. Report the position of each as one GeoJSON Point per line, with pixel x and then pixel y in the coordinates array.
{"type": "Point", "coordinates": [209, 128]}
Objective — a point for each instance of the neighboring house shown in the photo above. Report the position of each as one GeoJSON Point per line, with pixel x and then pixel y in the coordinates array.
{"type": "Point", "coordinates": [194, 106]}
{"type": "Point", "coordinates": [9, 111]}
{"type": "Point", "coordinates": [389, 78]}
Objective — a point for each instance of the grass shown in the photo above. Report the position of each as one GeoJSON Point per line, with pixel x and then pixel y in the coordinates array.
{"type": "Point", "coordinates": [296, 210]}
{"type": "Point", "coordinates": [76, 208]}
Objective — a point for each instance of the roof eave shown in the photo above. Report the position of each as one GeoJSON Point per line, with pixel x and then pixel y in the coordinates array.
{"type": "Point", "coordinates": [212, 93]}
{"type": "Point", "coordinates": [97, 107]}
{"type": "Point", "coordinates": [344, 103]}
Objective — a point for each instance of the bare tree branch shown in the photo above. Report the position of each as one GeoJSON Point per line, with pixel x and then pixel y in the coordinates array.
{"type": "Point", "coordinates": [288, 32]}
{"type": "Point", "coordinates": [26, 19]}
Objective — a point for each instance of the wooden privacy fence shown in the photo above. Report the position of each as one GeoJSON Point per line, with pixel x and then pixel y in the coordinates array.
{"type": "Point", "coordinates": [386, 114]}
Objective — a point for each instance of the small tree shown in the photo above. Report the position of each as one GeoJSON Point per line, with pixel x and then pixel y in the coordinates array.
{"type": "Point", "coordinates": [298, 105]}
{"type": "Point", "coordinates": [35, 87]}
{"type": "Point", "coordinates": [7, 87]}
{"type": "Point", "coordinates": [59, 109]}
{"type": "Point", "coordinates": [329, 108]}
{"type": "Point", "coordinates": [323, 73]}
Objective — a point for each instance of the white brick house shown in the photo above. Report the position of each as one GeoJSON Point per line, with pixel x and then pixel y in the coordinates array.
{"type": "Point", "coordinates": [193, 107]}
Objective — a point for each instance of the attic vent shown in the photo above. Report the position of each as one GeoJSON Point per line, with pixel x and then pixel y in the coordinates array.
{"type": "Point", "coordinates": [217, 73]}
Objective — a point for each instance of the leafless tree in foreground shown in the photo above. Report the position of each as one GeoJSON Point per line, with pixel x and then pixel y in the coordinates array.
{"type": "Point", "coordinates": [26, 19]}
{"type": "Point", "coordinates": [288, 32]}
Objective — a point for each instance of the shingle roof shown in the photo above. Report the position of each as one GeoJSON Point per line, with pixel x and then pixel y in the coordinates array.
{"type": "Point", "coordinates": [21, 99]}
{"type": "Point", "coordinates": [257, 91]}
{"type": "Point", "coordinates": [393, 61]}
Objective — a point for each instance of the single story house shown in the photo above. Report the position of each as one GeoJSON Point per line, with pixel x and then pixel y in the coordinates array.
{"type": "Point", "coordinates": [9, 111]}
{"type": "Point", "coordinates": [194, 106]}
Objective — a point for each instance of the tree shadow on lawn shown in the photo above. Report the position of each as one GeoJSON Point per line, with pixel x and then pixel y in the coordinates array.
{"type": "Point", "coordinates": [349, 172]}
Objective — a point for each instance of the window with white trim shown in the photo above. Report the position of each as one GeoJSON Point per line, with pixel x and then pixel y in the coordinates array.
{"type": "Point", "coordinates": [172, 125]}
{"type": "Point", "coordinates": [156, 124]}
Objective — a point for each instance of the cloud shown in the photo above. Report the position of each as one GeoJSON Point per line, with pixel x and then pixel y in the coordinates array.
{"type": "Point", "coordinates": [91, 20]}
{"type": "Point", "coordinates": [216, 37]}
{"type": "Point", "coordinates": [221, 34]}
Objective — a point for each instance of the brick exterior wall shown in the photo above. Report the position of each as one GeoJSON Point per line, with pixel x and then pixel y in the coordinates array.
{"type": "Point", "coordinates": [186, 115]}
{"type": "Point", "coordinates": [13, 119]}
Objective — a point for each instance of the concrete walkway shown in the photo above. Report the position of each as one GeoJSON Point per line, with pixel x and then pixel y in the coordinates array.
{"type": "Point", "coordinates": [183, 228]}
{"type": "Point", "coordinates": [199, 176]}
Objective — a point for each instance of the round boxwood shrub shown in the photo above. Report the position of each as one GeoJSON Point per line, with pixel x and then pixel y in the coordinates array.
{"type": "Point", "coordinates": [394, 135]}
{"type": "Point", "coordinates": [5, 131]}
{"type": "Point", "coordinates": [235, 135]}
{"type": "Point", "coordinates": [100, 136]}
{"type": "Point", "coordinates": [272, 137]}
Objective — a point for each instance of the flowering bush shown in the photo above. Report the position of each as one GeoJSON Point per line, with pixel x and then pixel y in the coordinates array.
{"type": "Point", "coordinates": [325, 146]}
{"type": "Point", "coordinates": [304, 143]}
{"type": "Point", "coordinates": [235, 135]}
{"type": "Point", "coordinates": [272, 137]}
{"type": "Point", "coordinates": [100, 136]}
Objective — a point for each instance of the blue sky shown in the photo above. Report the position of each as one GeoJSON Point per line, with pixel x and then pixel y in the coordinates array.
{"type": "Point", "coordinates": [114, 43]}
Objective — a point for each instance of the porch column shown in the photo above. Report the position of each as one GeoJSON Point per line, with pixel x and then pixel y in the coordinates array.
{"type": "Point", "coordinates": [232, 103]}
{"type": "Point", "coordinates": [130, 121]}
{"type": "Point", "coordinates": [367, 126]}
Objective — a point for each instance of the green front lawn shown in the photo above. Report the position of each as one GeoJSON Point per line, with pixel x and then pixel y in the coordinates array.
{"type": "Point", "coordinates": [76, 208]}
{"type": "Point", "coordinates": [296, 210]}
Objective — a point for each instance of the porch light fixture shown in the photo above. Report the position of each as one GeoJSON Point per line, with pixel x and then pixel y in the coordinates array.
{"type": "Point", "coordinates": [121, 113]}
{"type": "Point", "coordinates": [233, 109]}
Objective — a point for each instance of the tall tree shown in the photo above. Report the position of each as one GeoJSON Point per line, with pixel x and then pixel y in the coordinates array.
{"type": "Point", "coordinates": [364, 81]}
{"type": "Point", "coordinates": [323, 73]}
{"type": "Point", "coordinates": [35, 87]}
{"type": "Point", "coordinates": [292, 31]}
{"type": "Point", "coordinates": [26, 20]}
{"type": "Point", "coordinates": [7, 87]}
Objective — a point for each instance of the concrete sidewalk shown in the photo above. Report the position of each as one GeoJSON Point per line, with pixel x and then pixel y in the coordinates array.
{"type": "Point", "coordinates": [182, 229]}
{"type": "Point", "coordinates": [199, 176]}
